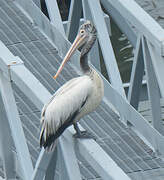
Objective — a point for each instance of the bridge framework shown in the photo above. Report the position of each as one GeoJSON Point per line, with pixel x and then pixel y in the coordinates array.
{"type": "Point", "coordinates": [148, 43]}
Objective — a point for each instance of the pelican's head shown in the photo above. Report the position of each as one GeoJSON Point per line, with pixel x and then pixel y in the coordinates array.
{"type": "Point", "coordinates": [83, 41]}
{"type": "Point", "coordinates": [87, 34]}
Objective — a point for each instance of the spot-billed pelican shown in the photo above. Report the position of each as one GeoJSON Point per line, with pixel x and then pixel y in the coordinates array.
{"type": "Point", "coordinates": [74, 99]}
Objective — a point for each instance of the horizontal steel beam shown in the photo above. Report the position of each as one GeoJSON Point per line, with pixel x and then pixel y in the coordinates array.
{"type": "Point", "coordinates": [141, 20]}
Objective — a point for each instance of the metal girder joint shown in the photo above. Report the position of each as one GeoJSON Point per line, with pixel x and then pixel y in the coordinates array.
{"type": "Point", "coordinates": [17, 61]}
{"type": "Point", "coordinates": [8, 60]}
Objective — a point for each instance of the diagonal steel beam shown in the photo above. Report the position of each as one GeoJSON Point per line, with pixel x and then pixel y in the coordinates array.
{"type": "Point", "coordinates": [74, 19]}
{"type": "Point", "coordinates": [94, 56]}
{"type": "Point", "coordinates": [69, 157]}
{"type": "Point", "coordinates": [99, 159]}
{"type": "Point", "coordinates": [120, 21]}
{"type": "Point", "coordinates": [41, 165]}
{"type": "Point", "coordinates": [16, 126]}
{"type": "Point", "coordinates": [153, 88]}
{"type": "Point", "coordinates": [158, 65]}
{"type": "Point", "coordinates": [141, 20]}
{"type": "Point", "coordinates": [136, 75]}
{"type": "Point", "coordinates": [6, 144]}
{"type": "Point", "coordinates": [50, 173]}
{"type": "Point", "coordinates": [54, 14]}
{"type": "Point", "coordinates": [106, 46]}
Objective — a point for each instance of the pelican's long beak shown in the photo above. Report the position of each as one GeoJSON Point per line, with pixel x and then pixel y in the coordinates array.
{"type": "Point", "coordinates": [77, 42]}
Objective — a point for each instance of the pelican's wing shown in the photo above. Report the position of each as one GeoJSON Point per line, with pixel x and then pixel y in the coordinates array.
{"type": "Point", "coordinates": [62, 108]}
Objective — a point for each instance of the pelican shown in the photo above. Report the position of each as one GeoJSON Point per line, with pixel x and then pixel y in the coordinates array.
{"type": "Point", "coordinates": [76, 98]}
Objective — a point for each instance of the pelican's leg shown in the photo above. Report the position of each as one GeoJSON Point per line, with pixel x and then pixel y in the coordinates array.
{"type": "Point", "coordinates": [82, 134]}
{"type": "Point", "coordinates": [77, 129]}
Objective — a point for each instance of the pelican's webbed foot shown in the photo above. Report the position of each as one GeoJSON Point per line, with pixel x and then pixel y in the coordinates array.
{"type": "Point", "coordinates": [82, 134]}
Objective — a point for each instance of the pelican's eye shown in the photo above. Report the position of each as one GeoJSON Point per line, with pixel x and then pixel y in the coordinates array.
{"type": "Point", "coordinates": [82, 32]}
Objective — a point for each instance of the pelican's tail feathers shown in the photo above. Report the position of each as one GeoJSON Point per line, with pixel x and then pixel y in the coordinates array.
{"type": "Point", "coordinates": [51, 147]}
{"type": "Point", "coordinates": [47, 140]}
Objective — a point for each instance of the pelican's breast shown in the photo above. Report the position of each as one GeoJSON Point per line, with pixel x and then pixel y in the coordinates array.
{"type": "Point", "coordinates": [95, 97]}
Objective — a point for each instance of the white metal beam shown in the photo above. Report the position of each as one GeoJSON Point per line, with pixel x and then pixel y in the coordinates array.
{"type": "Point", "coordinates": [121, 22]}
{"type": "Point", "coordinates": [153, 89]}
{"type": "Point", "coordinates": [69, 157]}
{"type": "Point", "coordinates": [6, 143]}
{"type": "Point", "coordinates": [136, 75]}
{"type": "Point", "coordinates": [158, 65]}
{"type": "Point", "coordinates": [54, 14]}
{"type": "Point", "coordinates": [51, 169]}
{"type": "Point", "coordinates": [106, 47]}
{"type": "Point", "coordinates": [41, 165]}
{"type": "Point", "coordinates": [99, 159]}
{"type": "Point", "coordinates": [15, 126]}
{"type": "Point", "coordinates": [141, 20]}
{"type": "Point", "coordinates": [73, 19]}
{"type": "Point", "coordinates": [94, 56]}
{"type": "Point", "coordinates": [136, 119]}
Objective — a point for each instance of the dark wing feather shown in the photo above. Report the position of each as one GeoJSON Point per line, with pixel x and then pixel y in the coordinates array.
{"type": "Point", "coordinates": [52, 137]}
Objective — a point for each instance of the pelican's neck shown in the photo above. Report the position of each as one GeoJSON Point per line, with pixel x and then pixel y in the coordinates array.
{"type": "Point", "coordinates": [84, 54]}
{"type": "Point", "coordinates": [84, 63]}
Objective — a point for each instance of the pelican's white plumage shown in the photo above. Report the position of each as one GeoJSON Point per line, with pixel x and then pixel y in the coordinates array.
{"type": "Point", "coordinates": [65, 102]}
{"type": "Point", "coordinates": [74, 99]}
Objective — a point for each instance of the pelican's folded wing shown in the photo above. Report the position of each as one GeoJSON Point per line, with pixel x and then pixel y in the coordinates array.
{"type": "Point", "coordinates": [63, 107]}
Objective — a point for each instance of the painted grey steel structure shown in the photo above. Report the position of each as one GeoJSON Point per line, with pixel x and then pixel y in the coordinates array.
{"type": "Point", "coordinates": [127, 145]}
